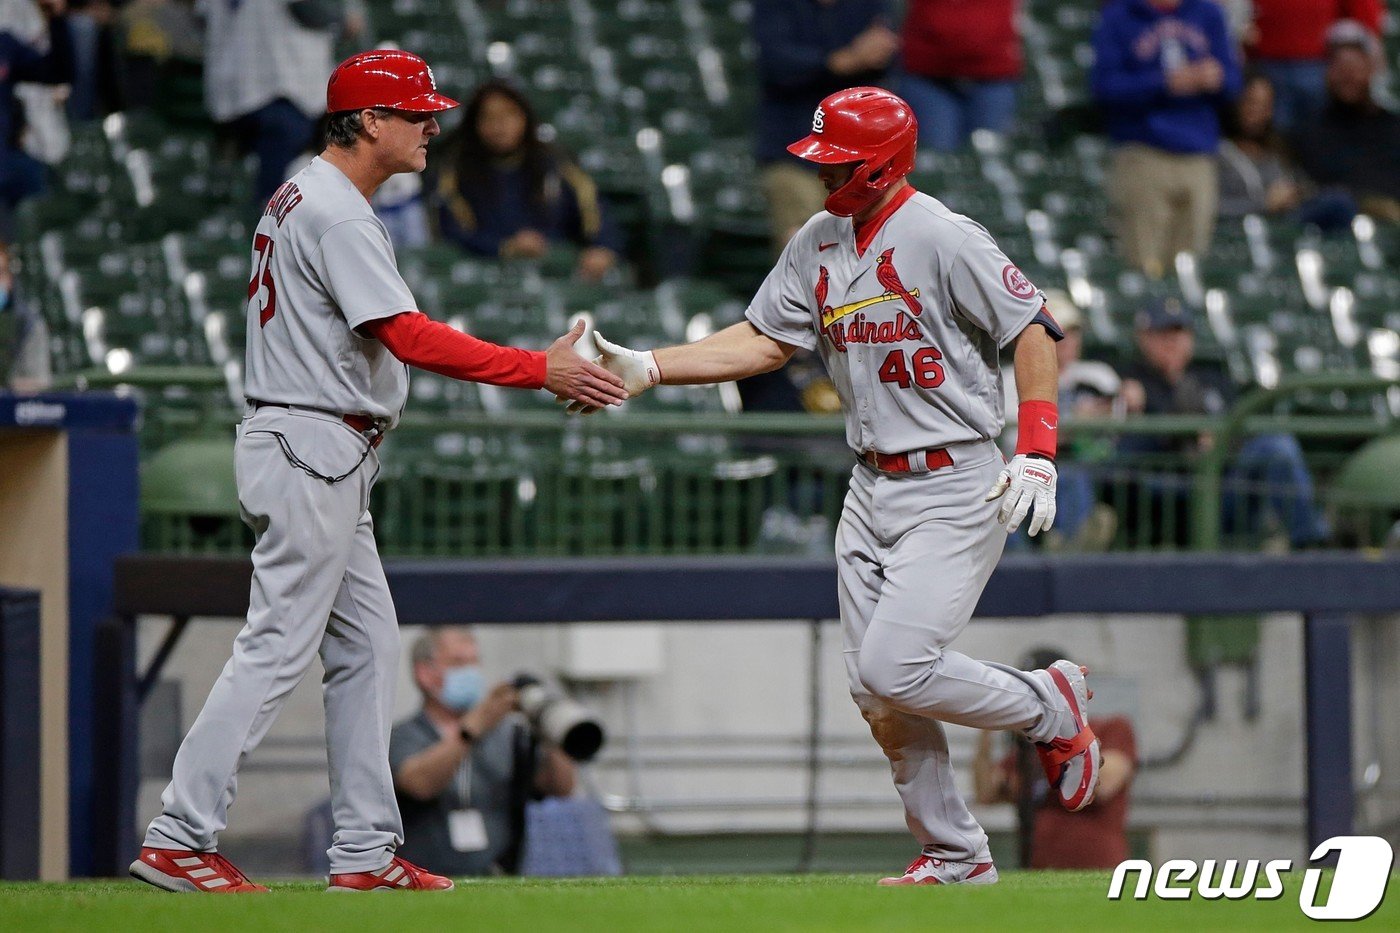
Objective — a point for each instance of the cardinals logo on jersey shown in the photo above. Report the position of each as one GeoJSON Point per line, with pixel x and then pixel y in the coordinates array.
{"type": "Point", "coordinates": [885, 272]}
{"type": "Point", "coordinates": [847, 324]}
{"type": "Point", "coordinates": [894, 290]}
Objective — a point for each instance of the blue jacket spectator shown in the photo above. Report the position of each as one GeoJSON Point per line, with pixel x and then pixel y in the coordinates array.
{"type": "Point", "coordinates": [808, 49]}
{"type": "Point", "coordinates": [1162, 71]}
{"type": "Point", "coordinates": [1137, 46]}
{"type": "Point", "coordinates": [20, 175]}
{"type": "Point", "coordinates": [503, 192]}
{"type": "Point", "coordinates": [797, 40]}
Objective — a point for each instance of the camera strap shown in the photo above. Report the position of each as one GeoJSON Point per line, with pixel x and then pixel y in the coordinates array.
{"type": "Point", "coordinates": [464, 782]}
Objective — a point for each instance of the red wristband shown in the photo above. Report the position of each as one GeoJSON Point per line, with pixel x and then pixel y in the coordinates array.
{"type": "Point", "coordinates": [1038, 428]}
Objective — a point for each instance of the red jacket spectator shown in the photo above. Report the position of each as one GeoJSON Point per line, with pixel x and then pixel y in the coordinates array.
{"type": "Point", "coordinates": [1296, 29]}
{"type": "Point", "coordinates": [1095, 837]}
{"type": "Point", "coordinates": [962, 39]}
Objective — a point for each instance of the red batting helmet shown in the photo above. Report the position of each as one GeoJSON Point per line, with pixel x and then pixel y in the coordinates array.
{"type": "Point", "coordinates": [385, 78]}
{"type": "Point", "coordinates": [866, 125]}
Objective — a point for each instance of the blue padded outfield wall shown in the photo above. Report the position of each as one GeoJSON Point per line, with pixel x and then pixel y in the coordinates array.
{"type": "Point", "coordinates": [69, 497]}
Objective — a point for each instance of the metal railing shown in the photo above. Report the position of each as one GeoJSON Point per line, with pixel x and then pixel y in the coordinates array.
{"type": "Point", "coordinates": [533, 483]}
{"type": "Point", "coordinates": [1212, 465]}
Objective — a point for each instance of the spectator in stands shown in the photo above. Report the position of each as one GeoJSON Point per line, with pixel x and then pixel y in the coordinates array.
{"type": "Point", "coordinates": [1256, 176]}
{"type": "Point", "coordinates": [1162, 69]}
{"type": "Point", "coordinates": [24, 337]}
{"type": "Point", "coordinates": [808, 49]}
{"type": "Point", "coordinates": [265, 71]}
{"type": "Point", "coordinates": [1267, 471]}
{"type": "Point", "coordinates": [23, 59]}
{"type": "Point", "coordinates": [1239, 19]}
{"type": "Point", "coordinates": [89, 28]}
{"type": "Point", "coordinates": [502, 191]}
{"type": "Point", "coordinates": [464, 767]}
{"type": "Point", "coordinates": [1087, 389]}
{"type": "Point", "coordinates": [1351, 147]}
{"type": "Point", "coordinates": [962, 66]}
{"type": "Point", "coordinates": [162, 54]}
{"type": "Point", "coordinates": [1288, 44]}
{"type": "Point", "coordinates": [1095, 837]}
{"type": "Point", "coordinates": [40, 120]}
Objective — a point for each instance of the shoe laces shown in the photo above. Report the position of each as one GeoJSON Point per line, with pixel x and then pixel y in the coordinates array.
{"type": "Point", "coordinates": [413, 870]}
{"type": "Point", "coordinates": [226, 868]}
{"type": "Point", "coordinates": [920, 861]}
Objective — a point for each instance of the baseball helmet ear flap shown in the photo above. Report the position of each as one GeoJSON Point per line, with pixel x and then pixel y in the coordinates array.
{"type": "Point", "coordinates": [865, 125]}
{"type": "Point", "coordinates": [870, 180]}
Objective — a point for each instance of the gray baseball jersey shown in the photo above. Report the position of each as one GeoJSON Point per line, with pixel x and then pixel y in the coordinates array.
{"type": "Point", "coordinates": [322, 266]}
{"type": "Point", "coordinates": [910, 329]}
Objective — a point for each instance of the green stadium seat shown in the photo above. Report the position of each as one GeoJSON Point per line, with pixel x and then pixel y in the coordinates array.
{"type": "Point", "coordinates": [1365, 494]}
{"type": "Point", "coordinates": [621, 20]}
{"type": "Point", "coordinates": [430, 394]}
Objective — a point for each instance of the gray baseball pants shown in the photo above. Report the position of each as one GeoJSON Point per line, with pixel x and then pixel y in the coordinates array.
{"type": "Point", "coordinates": [914, 552]}
{"type": "Point", "coordinates": [318, 585]}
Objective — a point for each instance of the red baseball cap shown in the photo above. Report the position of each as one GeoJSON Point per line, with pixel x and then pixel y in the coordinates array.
{"type": "Point", "coordinates": [389, 78]}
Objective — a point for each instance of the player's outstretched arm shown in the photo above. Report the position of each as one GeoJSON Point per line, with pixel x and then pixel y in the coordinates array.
{"type": "Point", "coordinates": [737, 352]}
{"type": "Point", "coordinates": [420, 341]}
{"type": "Point", "coordinates": [1028, 481]}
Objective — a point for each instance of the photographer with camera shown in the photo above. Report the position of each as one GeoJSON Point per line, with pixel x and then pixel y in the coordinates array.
{"type": "Point", "coordinates": [466, 764]}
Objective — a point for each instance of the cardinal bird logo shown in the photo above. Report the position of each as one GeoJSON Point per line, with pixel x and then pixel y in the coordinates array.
{"type": "Point", "coordinates": [885, 272]}
{"type": "Point", "coordinates": [823, 283]}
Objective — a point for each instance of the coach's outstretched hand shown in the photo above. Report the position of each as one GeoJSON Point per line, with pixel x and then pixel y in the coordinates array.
{"type": "Point", "coordinates": [637, 369]}
{"type": "Point", "coordinates": [572, 378]}
{"type": "Point", "coordinates": [1026, 481]}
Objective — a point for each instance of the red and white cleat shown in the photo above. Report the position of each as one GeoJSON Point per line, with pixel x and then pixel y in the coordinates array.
{"type": "Point", "coordinates": [928, 870]}
{"type": "Point", "coordinates": [1071, 762]}
{"type": "Point", "coordinates": [185, 872]}
{"type": "Point", "coordinates": [398, 875]}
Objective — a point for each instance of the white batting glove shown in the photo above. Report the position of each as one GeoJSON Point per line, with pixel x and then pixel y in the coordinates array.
{"type": "Point", "coordinates": [637, 368]}
{"type": "Point", "coordinates": [1026, 482]}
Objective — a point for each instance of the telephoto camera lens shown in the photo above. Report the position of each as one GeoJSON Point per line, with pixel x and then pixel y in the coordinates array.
{"type": "Point", "coordinates": [559, 719]}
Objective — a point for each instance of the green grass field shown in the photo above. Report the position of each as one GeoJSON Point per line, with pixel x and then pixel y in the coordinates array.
{"type": "Point", "coordinates": [1059, 901]}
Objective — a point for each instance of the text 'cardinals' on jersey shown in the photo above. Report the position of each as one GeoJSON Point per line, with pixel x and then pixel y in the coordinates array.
{"type": "Point", "coordinates": [910, 328]}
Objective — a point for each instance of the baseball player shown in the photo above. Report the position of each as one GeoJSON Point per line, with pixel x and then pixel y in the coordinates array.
{"type": "Point", "coordinates": [909, 304]}
{"type": "Point", "coordinates": [332, 330]}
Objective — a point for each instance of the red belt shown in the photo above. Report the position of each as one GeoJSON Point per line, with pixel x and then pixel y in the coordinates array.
{"type": "Point", "coordinates": [899, 463]}
{"type": "Point", "coordinates": [362, 423]}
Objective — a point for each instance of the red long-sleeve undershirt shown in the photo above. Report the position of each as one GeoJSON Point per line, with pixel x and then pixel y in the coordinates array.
{"type": "Point", "coordinates": [418, 340]}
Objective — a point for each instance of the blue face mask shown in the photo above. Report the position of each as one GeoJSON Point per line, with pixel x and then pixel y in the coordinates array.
{"type": "Point", "coordinates": [462, 687]}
